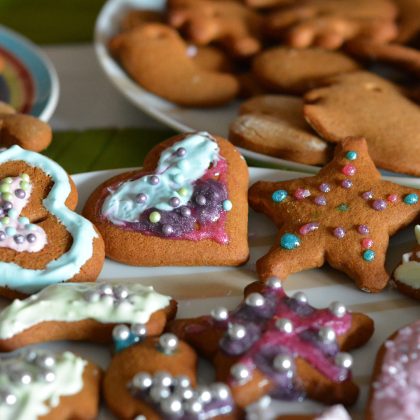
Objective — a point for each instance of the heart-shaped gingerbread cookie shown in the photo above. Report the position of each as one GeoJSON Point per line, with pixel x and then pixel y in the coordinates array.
{"type": "Point", "coordinates": [187, 206]}
{"type": "Point", "coordinates": [42, 240]}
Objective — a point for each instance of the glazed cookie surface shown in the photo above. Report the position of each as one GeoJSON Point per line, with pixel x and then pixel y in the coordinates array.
{"type": "Point", "coordinates": [344, 215]}
{"type": "Point", "coordinates": [43, 241]}
{"type": "Point", "coordinates": [187, 206]}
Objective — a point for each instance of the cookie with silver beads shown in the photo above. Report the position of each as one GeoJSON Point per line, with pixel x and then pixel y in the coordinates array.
{"type": "Point", "coordinates": [187, 206]}
{"type": "Point", "coordinates": [86, 312]}
{"type": "Point", "coordinates": [36, 383]}
{"type": "Point", "coordinates": [279, 345]}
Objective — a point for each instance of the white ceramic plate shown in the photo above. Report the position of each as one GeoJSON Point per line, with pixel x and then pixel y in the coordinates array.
{"type": "Point", "coordinates": [199, 289]}
{"type": "Point", "coordinates": [29, 81]}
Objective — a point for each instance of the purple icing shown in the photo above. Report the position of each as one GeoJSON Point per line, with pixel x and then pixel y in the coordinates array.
{"type": "Point", "coordinates": [324, 187]}
{"type": "Point", "coordinates": [368, 195]}
{"type": "Point", "coordinates": [379, 205]}
{"type": "Point", "coordinates": [320, 200]}
{"type": "Point", "coordinates": [347, 184]}
{"type": "Point", "coordinates": [339, 232]}
{"type": "Point", "coordinates": [363, 229]}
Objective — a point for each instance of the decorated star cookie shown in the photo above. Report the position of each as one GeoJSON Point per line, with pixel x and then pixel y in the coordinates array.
{"type": "Point", "coordinates": [187, 206]}
{"type": "Point", "coordinates": [281, 346]}
{"type": "Point", "coordinates": [36, 384]}
{"type": "Point", "coordinates": [156, 378]}
{"type": "Point", "coordinates": [83, 311]}
{"type": "Point", "coordinates": [395, 388]}
{"type": "Point", "coordinates": [344, 215]}
{"type": "Point", "coordinates": [42, 240]}
{"type": "Point", "coordinates": [407, 275]}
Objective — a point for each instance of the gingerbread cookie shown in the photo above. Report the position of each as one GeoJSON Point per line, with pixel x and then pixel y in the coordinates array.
{"type": "Point", "coordinates": [42, 240]}
{"type": "Point", "coordinates": [281, 346]}
{"type": "Point", "coordinates": [36, 384]}
{"type": "Point", "coordinates": [210, 58]}
{"type": "Point", "coordinates": [407, 275]}
{"type": "Point", "coordinates": [344, 215]}
{"type": "Point", "coordinates": [187, 206]}
{"type": "Point", "coordinates": [399, 56]}
{"type": "Point", "coordinates": [156, 57]}
{"type": "Point", "coordinates": [229, 23]}
{"type": "Point", "coordinates": [136, 385]}
{"type": "Point", "coordinates": [83, 312]}
{"type": "Point", "coordinates": [24, 130]}
{"type": "Point", "coordinates": [395, 389]}
{"type": "Point", "coordinates": [329, 23]}
{"type": "Point", "coordinates": [365, 104]}
{"type": "Point", "coordinates": [290, 70]}
{"type": "Point", "coordinates": [274, 125]}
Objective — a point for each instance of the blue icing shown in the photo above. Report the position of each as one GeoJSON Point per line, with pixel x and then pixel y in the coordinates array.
{"type": "Point", "coordinates": [82, 231]}
{"type": "Point", "coordinates": [411, 199]}
{"type": "Point", "coordinates": [289, 241]}
{"type": "Point", "coordinates": [176, 172]}
{"type": "Point", "coordinates": [279, 195]}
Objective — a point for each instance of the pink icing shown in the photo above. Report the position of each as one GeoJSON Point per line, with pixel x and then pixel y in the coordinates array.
{"type": "Point", "coordinates": [397, 388]}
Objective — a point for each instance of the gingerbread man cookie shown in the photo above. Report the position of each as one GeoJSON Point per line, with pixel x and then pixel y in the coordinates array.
{"type": "Point", "coordinates": [281, 346]}
{"type": "Point", "coordinates": [344, 215]}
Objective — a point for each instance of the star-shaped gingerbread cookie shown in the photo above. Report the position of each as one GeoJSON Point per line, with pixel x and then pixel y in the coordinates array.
{"type": "Point", "coordinates": [344, 215]}
{"type": "Point", "coordinates": [281, 346]}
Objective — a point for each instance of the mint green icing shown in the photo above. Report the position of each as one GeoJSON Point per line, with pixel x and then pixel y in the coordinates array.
{"type": "Point", "coordinates": [82, 231]}
{"type": "Point", "coordinates": [38, 398]}
{"type": "Point", "coordinates": [66, 302]}
{"type": "Point", "coordinates": [175, 173]}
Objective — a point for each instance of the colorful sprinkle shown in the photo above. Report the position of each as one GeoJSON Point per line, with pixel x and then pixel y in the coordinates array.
{"type": "Point", "coordinates": [227, 205]}
{"type": "Point", "coordinates": [279, 195]}
{"type": "Point", "coordinates": [10, 231]}
{"type": "Point", "coordinates": [347, 184]}
{"type": "Point", "coordinates": [392, 198]}
{"type": "Point", "coordinates": [343, 207]}
{"type": "Point", "coordinates": [13, 213]}
{"type": "Point", "coordinates": [367, 243]}
{"type": "Point", "coordinates": [4, 188]}
{"type": "Point", "coordinates": [411, 199]}
{"type": "Point", "coordinates": [154, 216]}
{"type": "Point", "coordinates": [351, 155]}
{"type": "Point", "coordinates": [369, 255]}
{"type": "Point", "coordinates": [368, 195]}
{"type": "Point", "coordinates": [308, 228]}
{"type": "Point", "coordinates": [339, 232]}
{"type": "Point", "coordinates": [324, 187]}
{"type": "Point", "coordinates": [289, 241]}
{"type": "Point", "coordinates": [25, 177]}
{"type": "Point", "coordinates": [320, 200]}
{"type": "Point", "coordinates": [24, 185]}
{"type": "Point", "coordinates": [379, 205]}
{"type": "Point", "coordinates": [8, 180]}
{"type": "Point", "coordinates": [23, 220]}
{"type": "Point", "coordinates": [349, 170]}
{"type": "Point", "coordinates": [301, 193]}
{"type": "Point", "coordinates": [183, 192]}
{"type": "Point", "coordinates": [5, 220]}
{"type": "Point", "coordinates": [363, 229]}
{"type": "Point", "coordinates": [7, 196]}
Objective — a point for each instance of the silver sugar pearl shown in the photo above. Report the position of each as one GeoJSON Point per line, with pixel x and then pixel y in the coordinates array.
{"type": "Point", "coordinates": [236, 331]}
{"type": "Point", "coordinates": [240, 372]}
{"type": "Point", "coordinates": [168, 342]}
{"type": "Point", "coordinates": [121, 332]}
{"type": "Point", "coordinates": [327, 334]}
{"type": "Point", "coordinates": [186, 211]}
{"type": "Point", "coordinates": [142, 381]}
{"type": "Point", "coordinates": [337, 309]}
{"type": "Point", "coordinates": [154, 180]}
{"type": "Point", "coordinates": [45, 360]}
{"type": "Point", "coordinates": [185, 393]}
{"type": "Point", "coordinates": [204, 394]}
{"type": "Point", "coordinates": [105, 289]}
{"type": "Point", "coordinates": [283, 363]}
{"type": "Point", "coordinates": [200, 200]}
{"type": "Point", "coordinates": [21, 376]}
{"type": "Point", "coordinates": [273, 283]}
{"type": "Point", "coordinates": [167, 229]}
{"type": "Point", "coordinates": [181, 152]}
{"type": "Point", "coordinates": [182, 381]}
{"type": "Point", "coordinates": [91, 296]}
{"type": "Point", "coordinates": [174, 201]}
{"type": "Point", "coordinates": [47, 375]}
{"type": "Point", "coordinates": [7, 397]}
{"type": "Point", "coordinates": [141, 198]}
{"type": "Point", "coordinates": [220, 391]}
{"type": "Point", "coordinates": [139, 330]}
{"type": "Point", "coordinates": [193, 406]}
{"type": "Point", "coordinates": [284, 325]}
{"type": "Point", "coordinates": [255, 300]}
{"type": "Point", "coordinates": [120, 292]}
{"type": "Point", "coordinates": [162, 378]}
{"type": "Point", "coordinates": [300, 297]}
{"type": "Point", "coordinates": [344, 360]}
{"type": "Point", "coordinates": [220, 314]}
{"type": "Point", "coordinates": [158, 393]}
{"type": "Point", "coordinates": [171, 405]}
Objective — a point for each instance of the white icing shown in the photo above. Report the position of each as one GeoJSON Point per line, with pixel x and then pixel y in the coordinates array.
{"type": "Point", "coordinates": [39, 397]}
{"type": "Point", "coordinates": [336, 412]}
{"type": "Point", "coordinates": [66, 302]}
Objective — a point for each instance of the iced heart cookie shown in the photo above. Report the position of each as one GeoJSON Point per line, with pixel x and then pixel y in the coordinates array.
{"type": "Point", "coordinates": [364, 104]}
{"type": "Point", "coordinates": [83, 312]}
{"type": "Point", "coordinates": [157, 58]}
{"type": "Point", "coordinates": [407, 275]}
{"type": "Point", "coordinates": [36, 384]}
{"type": "Point", "coordinates": [281, 346]}
{"type": "Point", "coordinates": [187, 206]}
{"type": "Point", "coordinates": [289, 70]}
{"type": "Point", "coordinates": [274, 125]}
{"type": "Point", "coordinates": [395, 388]}
{"type": "Point", "coordinates": [42, 240]}
{"type": "Point", "coordinates": [344, 215]}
